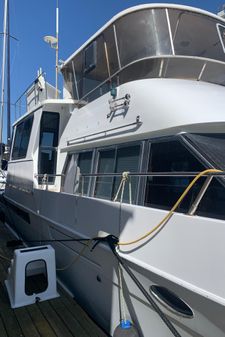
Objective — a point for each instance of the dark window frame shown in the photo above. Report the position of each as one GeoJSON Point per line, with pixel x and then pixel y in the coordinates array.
{"type": "Point", "coordinates": [117, 147]}
{"type": "Point", "coordinates": [77, 179]}
{"type": "Point", "coordinates": [90, 52]}
{"type": "Point", "coordinates": [202, 209]}
{"type": "Point", "coordinates": [49, 149]}
{"type": "Point", "coordinates": [17, 154]}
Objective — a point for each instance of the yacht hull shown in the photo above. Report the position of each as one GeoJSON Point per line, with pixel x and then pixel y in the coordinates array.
{"type": "Point", "coordinates": [93, 277]}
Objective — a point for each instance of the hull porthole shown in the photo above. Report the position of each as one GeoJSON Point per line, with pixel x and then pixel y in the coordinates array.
{"type": "Point", "coordinates": [171, 301]}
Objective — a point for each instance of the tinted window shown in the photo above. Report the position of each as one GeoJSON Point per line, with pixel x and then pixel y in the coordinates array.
{"type": "Point", "coordinates": [117, 161]}
{"type": "Point", "coordinates": [111, 50]}
{"type": "Point", "coordinates": [195, 35]}
{"type": "Point", "coordinates": [48, 144]}
{"type": "Point", "coordinates": [22, 137]}
{"type": "Point", "coordinates": [49, 129]}
{"type": "Point", "coordinates": [127, 159]}
{"type": "Point", "coordinates": [70, 174]}
{"type": "Point", "coordinates": [70, 83]}
{"type": "Point", "coordinates": [140, 70]}
{"type": "Point", "coordinates": [221, 31]}
{"type": "Point", "coordinates": [106, 164]}
{"type": "Point", "coordinates": [142, 34]}
{"type": "Point", "coordinates": [84, 167]}
{"type": "Point", "coordinates": [91, 67]}
{"type": "Point", "coordinates": [212, 204]}
{"type": "Point", "coordinates": [163, 192]}
{"type": "Point", "coordinates": [90, 57]}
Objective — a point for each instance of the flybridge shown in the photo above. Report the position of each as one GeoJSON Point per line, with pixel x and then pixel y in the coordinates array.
{"type": "Point", "coordinates": [170, 42]}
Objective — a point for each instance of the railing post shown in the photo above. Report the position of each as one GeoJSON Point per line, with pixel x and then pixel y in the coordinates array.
{"type": "Point", "coordinates": [200, 195]}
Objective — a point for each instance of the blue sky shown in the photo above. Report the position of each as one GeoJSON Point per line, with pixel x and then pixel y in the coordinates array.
{"type": "Point", "coordinates": [79, 19]}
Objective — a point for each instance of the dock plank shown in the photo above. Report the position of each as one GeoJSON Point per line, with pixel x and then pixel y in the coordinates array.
{"type": "Point", "coordinates": [38, 319]}
{"type": "Point", "coordinates": [3, 332]}
{"type": "Point", "coordinates": [26, 323]}
{"type": "Point", "coordinates": [9, 319]}
{"type": "Point", "coordinates": [61, 330]}
{"type": "Point", "coordinates": [88, 325]}
{"type": "Point", "coordinates": [69, 319]}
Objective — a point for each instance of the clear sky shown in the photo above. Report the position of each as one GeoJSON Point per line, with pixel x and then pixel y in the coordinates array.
{"type": "Point", "coordinates": [78, 20]}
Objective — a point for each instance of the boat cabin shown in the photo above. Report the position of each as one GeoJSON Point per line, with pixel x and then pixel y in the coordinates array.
{"type": "Point", "coordinates": [121, 112]}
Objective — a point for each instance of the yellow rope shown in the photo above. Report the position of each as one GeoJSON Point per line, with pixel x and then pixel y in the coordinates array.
{"type": "Point", "coordinates": [77, 257]}
{"type": "Point", "coordinates": [169, 215]}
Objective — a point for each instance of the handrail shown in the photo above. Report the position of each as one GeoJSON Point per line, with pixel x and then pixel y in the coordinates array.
{"type": "Point", "coordinates": [29, 87]}
{"type": "Point", "coordinates": [209, 176]}
{"type": "Point", "coordinates": [39, 175]}
{"type": "Point", "coordinates": [45, 178]}
{"type": "Point", "coordinates": [154, 174]}
{"type": "Point", "coordinates": [205, 61]}
{"type": "Point", "coordinates": [83, 139]}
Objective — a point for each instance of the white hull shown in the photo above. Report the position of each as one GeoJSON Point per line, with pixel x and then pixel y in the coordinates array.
{"type": "Point", "coordinates": [174, 259]}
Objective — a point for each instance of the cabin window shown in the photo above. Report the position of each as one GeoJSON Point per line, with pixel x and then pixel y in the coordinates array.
{"type": "Point", "coordinates": [91, 68]}
{"type": "Point", "coordinates": [211, 147]}
{"type": "Point", "coordinates": [70, 81]}
{"type": "Point", "coordinates": [173, 156]}
{"type": "Point", "coordinates": [195, 35]}
{"type": "Point", "coordinates": [117, 161]}
{"type": "Point", "coordinates": [22, 137]}
{"type": "Point", "coordinates": [163, 192]}
{"type": "Point", "coordinates": [142, 34]}
{"type": "Point", "coordinates": [221, 31]}
{"type": "Point", "coordinates": [84, 166]}
{"type": "Point", "coordinates": [48, 144]}
{"type": "Point", "coordinates": [69, 171]}
{"type": "Point", "coordinates": [149, 68]}
{"type": "Point", "coordinates": [109, 39]}
{"type": "Point", "coordinates": [90, 57]}
{"type": "Point", "coordinates": [106, 164]}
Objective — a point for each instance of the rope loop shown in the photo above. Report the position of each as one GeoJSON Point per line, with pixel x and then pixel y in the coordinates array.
{"type": "Point", "coordinates": [124, 179]}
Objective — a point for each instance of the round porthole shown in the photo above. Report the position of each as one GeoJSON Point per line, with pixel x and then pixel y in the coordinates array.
{"type": "Point", "coordinates": [171, 301]}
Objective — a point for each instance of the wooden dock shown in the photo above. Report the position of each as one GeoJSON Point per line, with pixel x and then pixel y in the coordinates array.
{"type": "Point", "coordinates": [60, 317]}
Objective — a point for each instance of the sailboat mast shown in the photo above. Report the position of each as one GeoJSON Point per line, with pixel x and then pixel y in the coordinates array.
{"type": "Point", "coordinates": [3, 71]}
{"type": "Point", "coordinates": [57, 48]}
{"type": "Point", "coordinates": [8, 82]}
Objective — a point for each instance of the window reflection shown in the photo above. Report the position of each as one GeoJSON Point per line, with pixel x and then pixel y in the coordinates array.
{"type": "Point", "coordinates": [117, 161]}
{"type": "Point", "coordinates": [163, 192]}
{"type": "Point", "coordinates": [22, 137]}
{"type": "Point", "coordinates": [48, 144]}
{"type": "Point", "coordinates": [84, 167]}
{"type": "Point", "coordinates": [142, 34]}
{"type": "Point", "coordinates": [195, 35]}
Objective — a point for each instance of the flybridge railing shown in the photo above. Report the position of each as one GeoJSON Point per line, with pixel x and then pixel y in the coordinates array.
{"type": "Point", "coordinates": [34, 94]}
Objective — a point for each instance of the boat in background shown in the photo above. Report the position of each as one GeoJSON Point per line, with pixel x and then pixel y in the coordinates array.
{"type": "Point", "coordinates": [5, 72]}
{"type": "Point", "coordinates": [142, 113]}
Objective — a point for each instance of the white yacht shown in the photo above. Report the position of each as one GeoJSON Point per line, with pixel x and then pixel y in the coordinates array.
{"type": "Point", "coordinates": [142, 114]}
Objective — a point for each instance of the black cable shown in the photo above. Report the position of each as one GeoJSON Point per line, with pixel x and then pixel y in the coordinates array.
{"type": "Point", "coordinates": [13, 243]}
{"type": "Point", "coordinates": [112, 242]}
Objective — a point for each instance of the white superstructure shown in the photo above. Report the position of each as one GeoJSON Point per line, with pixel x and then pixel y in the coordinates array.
{"type": "Point", "coordinates": [144, 95]}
